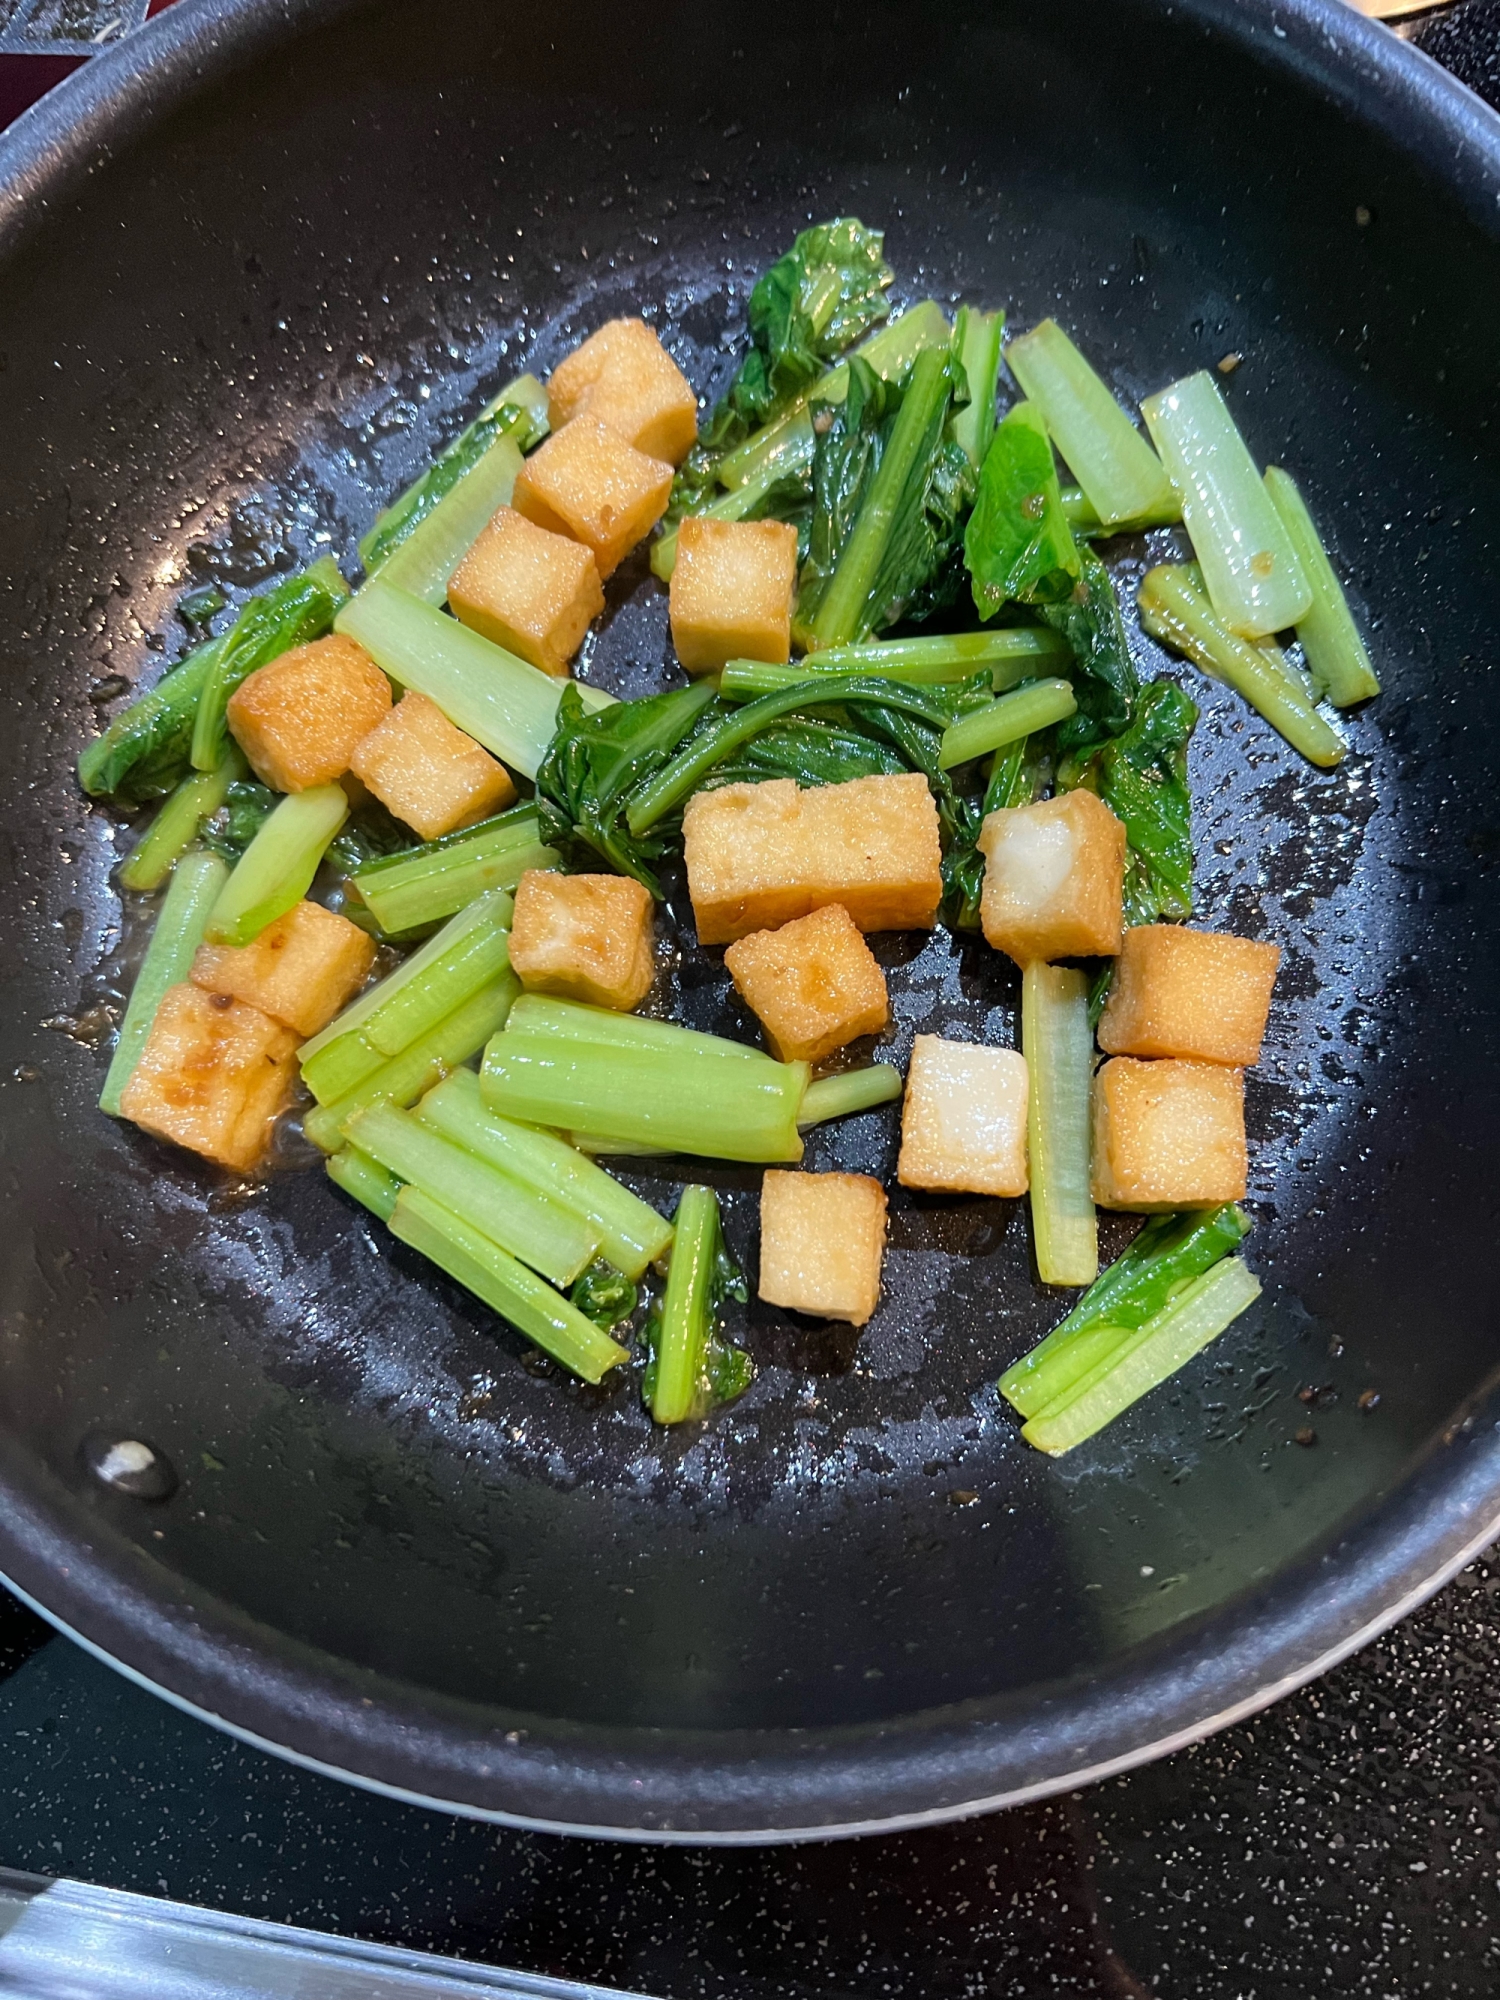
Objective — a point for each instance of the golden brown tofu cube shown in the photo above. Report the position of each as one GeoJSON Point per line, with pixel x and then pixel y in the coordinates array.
{"type": "Point", "coordinates": [760, 855]}
{"type": "Point", "coordinates": [732, 588]}
{"type": "Point", "coordinates": [300, 718]}
{"type": "Point", "coordinates": [587, 482]}
{"type": "Point", "coordinates": [1194, 994]}
{"type": "Point", "coordinates": [212, 1077]}
{"type": "Point", "coordinates": [429, 773]}
{"type": "Point", "coordinates": [822, 1237]}
{"type": "Point", "coordinates": [623, 376]}
{"type": "Point", "coordinates": [1054, 879]}
{"type": "Point", "coordinates": [813, 985]}
{"type": "Point", "coordinates": [529, 590]}
{"type": "Point", "coordinates": [963, 1124]}
{"type": "Point", "coordinates": [300, 970]}
{"type": "Point", "coordinates": [1168, 1135]}
{"type": "Point", "coordinates": [585, 937]}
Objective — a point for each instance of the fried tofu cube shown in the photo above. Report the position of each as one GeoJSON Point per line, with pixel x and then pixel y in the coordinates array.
{"type": "Point", "coordinates": [623, 376]}
{"type": "Point", "coordinates": [428, 772]}
{"type": "Point", "coordinates": [963, 1124]}
{"type": "Point", "coordinates": [813, 985]}
{"type": "Point", "coordinates": [584, 937]}
{"type": "Point", "coordinates": [1054, 879]}
{"type": "Point", "coordinates": [1168, 1135]}
{"type": "Point", "coordinates": [1198, 995]}
{"type": "Point", "coordinates": [300, 718]}
{"type": "Point", "coordinates": [732, 589]}
{"type": "Point", "coordinates": [212, 1077]}
{"type": "Point", "coordinates": [529, 590]}
{"type": "Point", "coordinates": [760, 855]}
{"type": "Point", "coordinates": [301, 969]}
{"type": "Point", "coordinates": [822, 1238]}
{"type": "Point", "coordinates": [587, 482]}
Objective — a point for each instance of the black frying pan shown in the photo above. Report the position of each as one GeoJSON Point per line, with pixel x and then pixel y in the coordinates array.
{"type": "Point", "coordinates": [254, 267]}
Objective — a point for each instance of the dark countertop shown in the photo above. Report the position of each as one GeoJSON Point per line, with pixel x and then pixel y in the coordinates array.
{"type": "Point", "coordinates": [1346, 1841]}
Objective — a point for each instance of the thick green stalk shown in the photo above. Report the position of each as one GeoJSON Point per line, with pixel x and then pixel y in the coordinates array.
{"type": "Point", "coordinates": [191, 894]}
{"type": "Point", "coordinates": [979, 336]}
{"type": "Point", "coordinates": [1153, 1353]}
{"type": "Point", "coordinates": [687, 1306]}
{"type": "Point", "coordinates": [516, 417]}
{"type": "Point", "coordinates": [1169, 1252]}
{"type": "Point", "coordinates": [1330, 638]}
{"type": "Point", "coordinates": [175, 827]}
{"type": "Point", "coordinates": [358, 1175]}
{"type": "Point", "coordinates": [1255, 582]}
{"type": "Point", "coordinates": [553, 1240]}
{"type": "Point", "coordinates": [1059, 1049]}
{"type": "Point", "coordinates": [403, 1079]}
{"type": "Point", "coordinates": [505, 1285]}
{"type": "Point", "coordinates": [502, 702]}
{"type": "Point", "coordinates": [433, 550]}
{"type": "Point", "coordinates": [1084, 521]}
{"type": "Point", "coordinates": [403, 892]}
{"type": "Point", "coordinates": [341, 1067]}
{"type": "Point", "coordinates": [1177, 613]}
{"type": "Point", "coordinates": [632, 1234]}
{"type": "Point", "coordinates": [143, 752]}
{"type": "Point", "coordinates": [485, 914]}
{"type": "Point", "coordinates": [1011, 655]}
{"type": "Point", "coordinates": [689, 1104]}
{"type": "Point", "coordinates": [402, 1017]}
{"type": "Point", "coordinates": [299, 609]}
{"type": "Point", "coordinates": [1116, 468]}
{"type": "Point", "coordinates": [840, 617]}
{"type": "Point", "coordinates": [537, 1014]}
{"type": "Point", "coordinates": [276, 869]}
{"type": "Point", "coordinates": [853, 1090]}
{"type": "Point", "coordinates": [1005, 721]}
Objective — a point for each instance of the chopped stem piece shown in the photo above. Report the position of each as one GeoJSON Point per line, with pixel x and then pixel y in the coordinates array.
{"type": "Point", "coordinates": [505, 1285]}
{"type": "Point", "coordinates": [687, 1305]}
{"type": "Point", "coordinates": [1169, 1252]}
{"type": "Point", "coordinates": [485, 914]}
{"type": "Point", "coordinates": [1010, 655]}
{"type": "Point", "coordinates": [1116, 468]}
{"type": "Point", "coordinates": [1175, 611]}
{"type": "Point", "coordinates": [979, 336]}
{"type": "Point", "coordinates": [403, 892]}
{"type": "Point", "coordinates": [1152, 1354]}
{"type": "Point", "coordinates": [1330, 638]}
{"type": "Point", "coordinates": [1059, 1049]}
{"type": "Point", "coordinates": [1085, 522]}
{"type": "Point", "coordinates": [632, 1234]}
{"type": "Point", "coordinates": [403, 1079]}
{"type": "Point", "coordinates": [1255, 582]}
{"type": "Point", "coordinates": [853, 1090]}
{"type": "Point", "coordinates": [702, 1104]}
{"type": "Point", "coordinates": [502, 702]}
{"type": "Point", "coordinates": [536, 1014]}
{"type": "Point", "coordinates": [419, 1004]}
{"type": "Point", "coordinates": [175, 827]}
{"type": "Point", "coordinates": [553, 1240]}
{"type": "Point", "coordinates": [433, 549]}
{"type": "Point", "coordinates": [1006, 720]}
{"type": "Point", "coordinates": [191, 894]}
{"type": "Point", "coordinates": [276, 869]}
{"type": "Point", "coordinates": [357, 1174]}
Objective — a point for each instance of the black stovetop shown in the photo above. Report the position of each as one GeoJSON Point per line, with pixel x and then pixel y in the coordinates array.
{"type": "Point", "coordinates": [1347, 1841]}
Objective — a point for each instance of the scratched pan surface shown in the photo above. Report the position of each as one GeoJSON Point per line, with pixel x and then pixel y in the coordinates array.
{"type": "Point", "coordinates": [283, 254]}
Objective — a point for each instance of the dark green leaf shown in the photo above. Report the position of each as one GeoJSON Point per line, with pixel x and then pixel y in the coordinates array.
{"type": "Point", "coordinates": [604, 1295]}
{"type": "Point", "coordinates": [1103, 675]}
{"type": "Point", "coordinates": [1141, 775]}
{"type": "Point", "coordinates": [1018, 545]}
{"type": "Point", "coordinates": [232, 828]}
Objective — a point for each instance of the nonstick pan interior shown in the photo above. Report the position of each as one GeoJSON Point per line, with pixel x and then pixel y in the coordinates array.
{"type": "Point", "coordinates": [400, 1544]}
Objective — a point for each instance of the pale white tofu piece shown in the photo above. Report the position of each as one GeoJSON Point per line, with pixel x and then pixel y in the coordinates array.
{"type": "Point", "coordinates": [963, 1126]}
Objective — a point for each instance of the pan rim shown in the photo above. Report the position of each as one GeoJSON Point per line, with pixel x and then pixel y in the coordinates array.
{"type": "Point", "coordinates": [1428, 1535]}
